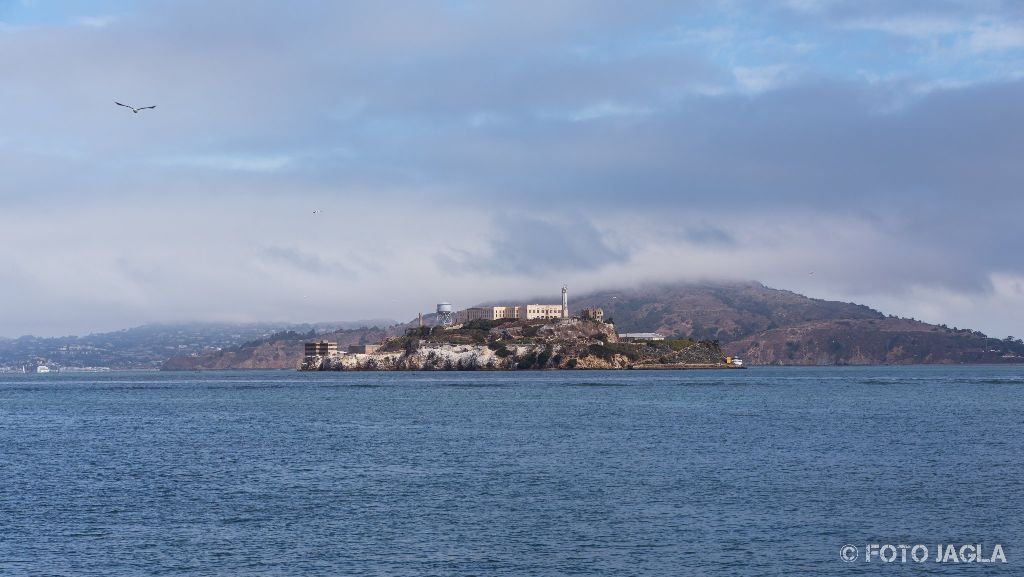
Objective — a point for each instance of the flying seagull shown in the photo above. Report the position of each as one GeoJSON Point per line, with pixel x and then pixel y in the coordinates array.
{"type": "Point", "coordinates": [134, 110]}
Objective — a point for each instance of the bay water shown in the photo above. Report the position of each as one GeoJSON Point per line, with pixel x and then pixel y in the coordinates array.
{"type": "Point", "coordinates": [764, 471]}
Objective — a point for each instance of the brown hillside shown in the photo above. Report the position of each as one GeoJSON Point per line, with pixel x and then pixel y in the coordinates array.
{"type": "Point", "coordinates": [770, 326]}
{"type": "Point", "coordinates": [870, 342]}
{"type": "Point", "coordinates": [727, 311]}
{"type": "Point", "coordinates": [280, 351]}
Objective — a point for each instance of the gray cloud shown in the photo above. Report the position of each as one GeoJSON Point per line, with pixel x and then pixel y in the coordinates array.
{"type": "Point", "coordinates": [519, 142]}
{"type": "Point", "coordinates": [707, 234]}
{"type": "Point", "coordinates": [523, 245]}
{"type": "Point", "coordinates": [303, 261]}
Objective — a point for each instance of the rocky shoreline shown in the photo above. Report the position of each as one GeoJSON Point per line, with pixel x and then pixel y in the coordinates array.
{"type": "Point", "coordinates": [566, 344]}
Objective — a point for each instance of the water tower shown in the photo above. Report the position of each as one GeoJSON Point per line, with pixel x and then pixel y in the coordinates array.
{"type": "Point", "coordinates": [445, 316]}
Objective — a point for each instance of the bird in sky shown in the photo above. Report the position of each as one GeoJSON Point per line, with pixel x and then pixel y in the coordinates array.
{"type": "Point", "coordinates": [135, 110]}
{"type": "Point", "coordinates": [316, 211]}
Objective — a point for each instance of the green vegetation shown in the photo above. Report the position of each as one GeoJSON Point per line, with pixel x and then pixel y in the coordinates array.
{"type": "Point", "coordinates": [499, 348]}
{"type": "Point", "coordinates": [527, 362]}
{"type": "Point", "coordinates": [544, 356]}
{"type": "Point", "coordinates": [485, 325]}
{"type": "Point", "coordinates": [471, 334]}
{"type": "Point", "coordinates": [607, 351]}
{"type": "Point", "coordinates": [679, 344]}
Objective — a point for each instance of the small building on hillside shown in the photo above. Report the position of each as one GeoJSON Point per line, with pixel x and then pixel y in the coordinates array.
{"type": "Point", "coordinates": [594, 314]}
{"type": "Point", "coordinates": [321, 348]}
{"type": "Point", "coordinates": [362, 349]}
{"type": "Point", "coordinates": [633, 337]}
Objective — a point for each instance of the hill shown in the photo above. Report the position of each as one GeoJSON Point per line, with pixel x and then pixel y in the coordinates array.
{"type": "Point", "coordinates": [888, 341]}
{"type": "Point", "coordinates": [723, 311]}
{"type": "Point", "coordinates": [771, 326]}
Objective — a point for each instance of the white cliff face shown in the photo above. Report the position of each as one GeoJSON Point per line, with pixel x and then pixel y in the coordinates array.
{"type": "Point", "coordinates": [432, 357]}
{"type": "Point", "coordinates": [462, 358]}
{"type": "Point", "coordinates": [452, 357]}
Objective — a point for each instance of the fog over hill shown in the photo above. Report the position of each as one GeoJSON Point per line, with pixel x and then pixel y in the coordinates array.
{"type": "Point", "coordinates": [352, 160]}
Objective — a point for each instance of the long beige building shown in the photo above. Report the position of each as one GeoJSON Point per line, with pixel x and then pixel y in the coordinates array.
{"type": "Point", "coordinates": [524, 312]}
{"type": "Point", "coordinates": [521, 312]}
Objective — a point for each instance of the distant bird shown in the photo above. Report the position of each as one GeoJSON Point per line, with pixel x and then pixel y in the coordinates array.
{"type": "Point", "coordinates": [134, 110]}
{"type": "Point", "coordinates": [810, 273]}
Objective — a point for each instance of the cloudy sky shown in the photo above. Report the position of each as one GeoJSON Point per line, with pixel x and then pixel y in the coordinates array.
{"type": "Point", "coordinates": [469, 151]}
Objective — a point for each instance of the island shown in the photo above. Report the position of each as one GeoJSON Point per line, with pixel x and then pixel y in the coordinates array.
{"type": "Point", "coordinates": [516, 344]}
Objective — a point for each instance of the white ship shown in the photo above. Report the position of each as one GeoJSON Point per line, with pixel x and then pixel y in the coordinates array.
{"type": "Point", "coordinates": [42, 369]}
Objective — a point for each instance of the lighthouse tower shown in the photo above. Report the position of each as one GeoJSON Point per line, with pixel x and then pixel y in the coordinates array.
{"type": "Point", "coordinates": [565, 302]}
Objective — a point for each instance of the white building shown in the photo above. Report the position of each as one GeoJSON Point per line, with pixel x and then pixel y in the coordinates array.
{"type": "Point", "coordinates": [529, 312]}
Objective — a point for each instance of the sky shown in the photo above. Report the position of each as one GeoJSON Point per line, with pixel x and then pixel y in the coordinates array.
{"type": "Point", "coordinates": [344, 160]}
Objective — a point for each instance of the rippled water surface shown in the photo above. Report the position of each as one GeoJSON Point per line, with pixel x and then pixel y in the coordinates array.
{"type": "Point", "coordinates": [755, 472]}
